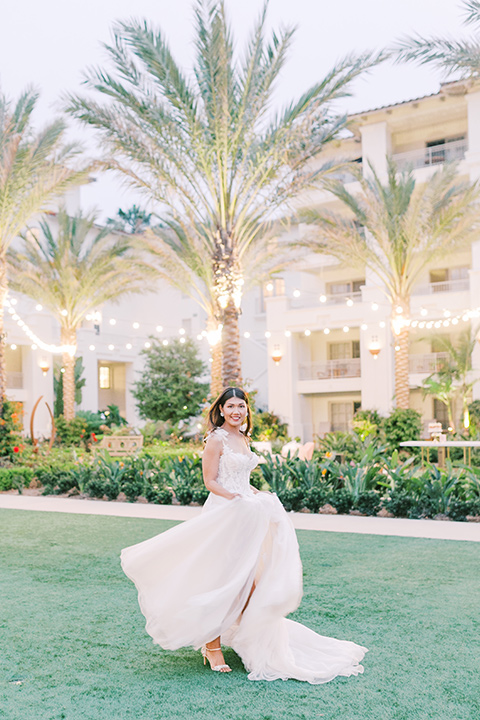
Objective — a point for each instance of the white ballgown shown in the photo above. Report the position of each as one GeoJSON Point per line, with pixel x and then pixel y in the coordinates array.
{"type": "Point", "coordinates": [194, 580]}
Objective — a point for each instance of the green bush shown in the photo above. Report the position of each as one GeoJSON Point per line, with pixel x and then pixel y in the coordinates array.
{"type": "Point", "coordinates": [159, 496]}
{"type": "Point", "coordinates": [402, 425]}
{"type": "Point", "coordinates": [292, 498]}
{"type": "Point", "coordinates": [368, 503]}
{"type": "Point", "coordinates": [57, 478]}
{"type": "Point", "coordinates": [11, 444]}
{"type": "Point", "coordinates": [17, 477]}
{"type": "Point", "coordinates": [316, 497]}
{"type": "Point", "coordinates": [71, 432]}
{"type": "Point", "coordinates": [401, 504]}
{"type": "Point", "coordinates": [342, 501]}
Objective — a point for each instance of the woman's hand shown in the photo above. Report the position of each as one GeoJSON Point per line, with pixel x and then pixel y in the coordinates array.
{"type": "Point", "coordinates": [234, 495]}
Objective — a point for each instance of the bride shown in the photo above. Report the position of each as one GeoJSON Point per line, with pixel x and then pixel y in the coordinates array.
{"type": "Point", "coordinates": [233, 573]}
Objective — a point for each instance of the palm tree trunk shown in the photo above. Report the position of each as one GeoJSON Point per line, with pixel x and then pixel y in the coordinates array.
{"type": "Point", "coordinates": [216, 383]}
{"type": "Point", "coordinates": [232, 365]}
{"type": "Point", "coordinates": [3, 295]}
{"type": "Point", "coordinates": [68, 337]}
{"type": "Point", "coordinates": [402, 389]}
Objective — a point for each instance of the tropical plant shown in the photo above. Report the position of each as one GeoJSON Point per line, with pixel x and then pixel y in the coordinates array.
{"type": "Point", "coordinates": [10, 430]}
{"type": "Point", "coordinates": [395, 229]}
{"type": "Point", "coordinates": [169, 387]}
{"type": "Point", "coordinates": [72, 271]}
{"type": "Point", "coordinates": [210, 151]}
{"type": "Point", "coordinates": [440, 386]}
{"type": "Point", "coordinates": [459, 58]}
{"type": "Point", "coordinates": [454, 377]}
{"type": "Point", "coordinates": [58, 385]}
{"type": "Point", "coordinates": [132, 221]}
{"type": "Point", "coordinates": [35, 168]}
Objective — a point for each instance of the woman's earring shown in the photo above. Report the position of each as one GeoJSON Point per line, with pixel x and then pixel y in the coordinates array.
{"type": "Point", "coordinates": [243, 427]}
{"type": "Point", "coordinates": [221, 414]}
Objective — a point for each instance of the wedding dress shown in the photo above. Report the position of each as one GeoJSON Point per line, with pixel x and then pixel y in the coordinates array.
{"type": "Point", "coordinates": [194, 580]}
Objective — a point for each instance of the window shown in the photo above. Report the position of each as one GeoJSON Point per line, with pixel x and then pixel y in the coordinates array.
{"type": "Point", "coordinates": [440, 413]}
{"type": "Point", "coordinates": [341, 415]}
{"type": "Point", "coordinates": [344, 350]}
{"type": "Point", "coordinates": [104, 377]}
{"type": "Point", "coordinates": [346, 287]}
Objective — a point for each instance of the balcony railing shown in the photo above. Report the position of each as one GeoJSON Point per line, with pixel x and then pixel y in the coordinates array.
{"type": "Point", "coordinates": [429, 363]}
{"type": "Point", "coordinates": [333, 369]}
{"type": "Point", "coordinates": [434, 155]}
{"type": "Point", "coordinates": [311, 300]}
{"type": "Point", "coordinates": [14, 380]}
{"type": "Point", "coordinates": [443, 287]}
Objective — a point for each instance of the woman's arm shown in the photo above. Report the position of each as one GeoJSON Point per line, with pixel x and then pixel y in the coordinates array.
{"type": "Point", "coordinates": [210, 463]}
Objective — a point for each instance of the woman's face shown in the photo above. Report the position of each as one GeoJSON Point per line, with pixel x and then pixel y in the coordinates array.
{"type": "Point", "coordinates": [234, 412]}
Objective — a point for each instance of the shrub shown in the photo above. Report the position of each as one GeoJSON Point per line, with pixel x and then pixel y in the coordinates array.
{"type": "Point", "coordinates": [200, 495]}
{"type": "Point", "coordinates": [368, 503]}
{"type": "Point", "coordinates": [184, 492]}
{"type": "Point", "coordinates": [17, 477]}
{"type": "Point", "coordinates": [96, 487]}
{"type": "Point", "coordinates": [268, 426]}
{"type": "Point", "coordinates": [342, 501]}
{"type": "Point", "coordinates": [57, 479]}
{"type": "Point", "coordinates": [339, 446]}
{"type": "Point", "coordinates": [11, 445]}
{"type": "Point", "coordinates": [71, 432]}
{"type": "Point", "coordinates": [316, 497]}
{"type": "Point", "coordinates": [459, 509]}
{"type": "Point", "coordinates": [402, 424]}
{"type": "Point", "coordinates": [159, 496]}
{"type": "Point", "coordinates": [292, 498]}
{"type": "Point", "coordinates": [402, 504]}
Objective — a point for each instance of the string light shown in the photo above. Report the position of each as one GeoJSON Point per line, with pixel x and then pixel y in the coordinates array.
{"type": "Point", "coordinates": [296, 293]}
{"type": "Point", "coordinates": [364, 326]}
{"type": "Point", "coordinates": [38, 307]}
{"type": "Point", "coordinates": [128, 346]}
{"type": "Point", "coordinates": [323, 298]}
{"type": "Point", "coordinates": [159, 328]}
{"type": "Point", "coordinates": [268, 334]}
{"type": "Point", "coordinates": [48, 347]}
{"type": "Point", "coordinates": [246, 334]}
{"type": "Point", "coordinates": [307, 333]}
{"type": "Point", "coordinates": [13, 346]}
{"type": "Point", "coordinates": [374, 306]}
{"type": "Point", "coordinates": [287, 333]}
{"type": "Point", "coordinates": [111, 347]}
{"type": "Point", "coordinates": [346, 329]}
{"type": "Point", "coordinates": [326, 331]}
{"type": "Point", "coordinates": [149, 345]}
{"type": "Point", "coordinates": [112, 321]}
{"type": "Point", "coordinates": [182, 331]}
{"type": "Point", "coordinates": [349, 302]}
{"type": "Point", "coordinates": [135, 325]}
{"type": "Point", "coordinates": [91, 347]}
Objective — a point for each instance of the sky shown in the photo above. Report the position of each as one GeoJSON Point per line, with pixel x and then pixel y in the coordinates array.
{"type": "Point", "coordinates": [49, 43]}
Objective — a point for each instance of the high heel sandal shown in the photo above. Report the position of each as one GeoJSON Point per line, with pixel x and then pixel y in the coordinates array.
{"type": "Point", "coordinates": [215, 668]}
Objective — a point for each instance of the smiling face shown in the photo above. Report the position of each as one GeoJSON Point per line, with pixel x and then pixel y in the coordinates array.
{"type": "Point", "coordinates": [234, 411]}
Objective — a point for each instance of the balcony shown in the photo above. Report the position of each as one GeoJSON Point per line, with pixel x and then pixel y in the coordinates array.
{"type": "Point", "coordinates": [434, 155]}
{"type": "Point", "coordinates": [446, 286]}
{"type": "Point", "coordinates": [333, 369]}
{"type": "Point", "coordinates": [311, 300]}
{"type": "Point", "coordinates": [428, 364]}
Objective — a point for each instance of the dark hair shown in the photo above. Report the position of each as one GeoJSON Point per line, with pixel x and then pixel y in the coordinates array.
{"type": "Point", "coordinates": [216, 420]}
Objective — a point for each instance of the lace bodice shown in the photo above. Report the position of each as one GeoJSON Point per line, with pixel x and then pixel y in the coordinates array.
{"type": "Point", "coordinates": [235, 467]}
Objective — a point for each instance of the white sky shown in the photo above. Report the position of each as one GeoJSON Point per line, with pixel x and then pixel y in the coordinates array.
{"type": "Point", "coordinates": [48, 43]}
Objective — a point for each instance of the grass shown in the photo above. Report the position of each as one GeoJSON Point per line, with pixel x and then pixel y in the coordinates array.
{"type": "Point", "coordinates": [73, 645]}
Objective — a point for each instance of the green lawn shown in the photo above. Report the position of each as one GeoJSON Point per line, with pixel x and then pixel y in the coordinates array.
{"type": "Point", "coordinates": [73, 645]}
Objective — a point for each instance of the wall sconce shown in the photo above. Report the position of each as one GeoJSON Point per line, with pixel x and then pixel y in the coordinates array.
{"type": "Point", "coordinates": [277, 354]}
{"type": "Point", "coordinates": [44, 365]}
{"type": "Point", "coordinates": [374, 348]}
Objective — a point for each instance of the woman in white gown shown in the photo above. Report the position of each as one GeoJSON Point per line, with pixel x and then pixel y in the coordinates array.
{"type": "Point", "coordinates": [234, 572]}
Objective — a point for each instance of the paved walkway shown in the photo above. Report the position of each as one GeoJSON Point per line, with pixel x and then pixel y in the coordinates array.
{"type": "Point", "coordinates": [434, 529]}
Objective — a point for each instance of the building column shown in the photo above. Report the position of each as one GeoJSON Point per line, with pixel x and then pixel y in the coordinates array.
{"type": "Point", "coordinates": [472, 156]}
{"type": "Point", "coordinates": [377, 373]}
{"type": "Point", "coordinates": [376, 145]}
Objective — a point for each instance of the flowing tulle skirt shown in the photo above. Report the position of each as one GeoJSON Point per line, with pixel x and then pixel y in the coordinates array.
{"type": "Point", "coordinates": [194, 581]}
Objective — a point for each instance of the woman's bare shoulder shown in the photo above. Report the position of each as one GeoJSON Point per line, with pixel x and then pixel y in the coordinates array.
{"type": "Point", "coordinates": [214, 438]}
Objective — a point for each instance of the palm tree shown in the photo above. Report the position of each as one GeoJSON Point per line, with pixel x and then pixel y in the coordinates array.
{"type": "Point", "coordinates": [454, 375]}
{"type": "Point", "coordinates": [208, 149]}
{"type": "Point", "coordinates": [441, 387]}
{"type": "Point", "coordinates": [458, 58]}
{"type": "Point", "coordinates": [35, 168]}
{"type": "Point", "coordinates": [396, 229]}
{"type": "Point", "coordinates": [74, 271]}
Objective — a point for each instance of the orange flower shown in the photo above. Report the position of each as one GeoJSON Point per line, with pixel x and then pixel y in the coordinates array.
{"type": "Point", "coordinates": [324, 471]}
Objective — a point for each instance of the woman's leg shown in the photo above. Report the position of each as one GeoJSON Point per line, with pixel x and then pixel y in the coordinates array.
{"type": "Point", "coordinates": [214, 655]}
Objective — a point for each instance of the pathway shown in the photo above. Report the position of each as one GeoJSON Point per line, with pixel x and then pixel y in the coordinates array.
{"type": "Point", "coordinates": [433, 529]}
